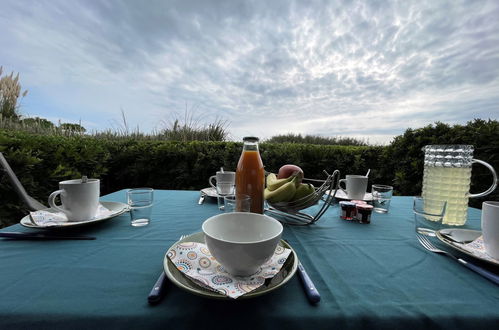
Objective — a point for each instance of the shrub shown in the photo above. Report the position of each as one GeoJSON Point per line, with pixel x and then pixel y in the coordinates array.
{"type": "Point", "coordinates": [315, 139]}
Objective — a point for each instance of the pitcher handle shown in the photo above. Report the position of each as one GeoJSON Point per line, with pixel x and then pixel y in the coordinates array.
{"type": "Point", "coordinates": [494, 175]}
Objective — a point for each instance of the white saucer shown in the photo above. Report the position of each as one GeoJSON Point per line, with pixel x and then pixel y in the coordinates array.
{"type": "Point", "coordinates": [210, 192]}
{"type": "Point", "coordinates": [340, 194]}
{"type": "Point", "coordinates": [115, 208]}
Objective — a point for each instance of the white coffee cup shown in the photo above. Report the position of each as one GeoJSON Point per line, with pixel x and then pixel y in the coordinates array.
{"type": "Point", "coordinates": [80, 198]}
{"type": "Point", "coordinates": [490, 228]}
{"type": "Point", "coordinates": [224, 182]}
{"type": "Point", "coordinates": [355, 186]}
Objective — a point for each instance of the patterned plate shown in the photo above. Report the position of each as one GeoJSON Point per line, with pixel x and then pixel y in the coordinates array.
{"type": "Point", "coordinates": [179, 279]}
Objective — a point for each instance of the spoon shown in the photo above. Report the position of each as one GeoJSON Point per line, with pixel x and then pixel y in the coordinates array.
{"type": "Point", "coordinates": [459, 235]}
{"type": "Point", "coordinates": [368, 171]}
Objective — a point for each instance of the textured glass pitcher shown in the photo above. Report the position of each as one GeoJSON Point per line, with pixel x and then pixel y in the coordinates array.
{"type": "Point", "coordinates": [447, 177]}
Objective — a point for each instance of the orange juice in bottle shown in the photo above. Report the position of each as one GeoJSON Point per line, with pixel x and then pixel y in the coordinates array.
{"type": "Point", "coordinates": [250, 175]}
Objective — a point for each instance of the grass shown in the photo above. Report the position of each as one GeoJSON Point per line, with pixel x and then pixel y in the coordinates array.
{"type": "Point", "coordinates": [10, 92]}
{"type": "Point", "coordinates": [188, 129]}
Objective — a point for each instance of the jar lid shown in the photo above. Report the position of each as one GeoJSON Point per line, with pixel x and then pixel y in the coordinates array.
{"type": "Point", "coordinates": [365, 206]}
{"type": "Point", "coordinates": [359, 202]}
{"type": "Point", "coordinates": [344, 203]}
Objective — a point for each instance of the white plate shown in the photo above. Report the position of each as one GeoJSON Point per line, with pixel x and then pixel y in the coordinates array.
{"type": "Point", "coordinates": [210, 192]}
{"type": "Point", "coordinates": [115, 207]}
{"type": "Point", "coordinates": [340, 194]}
{"type": "Point", "coordinates": [474, 249]}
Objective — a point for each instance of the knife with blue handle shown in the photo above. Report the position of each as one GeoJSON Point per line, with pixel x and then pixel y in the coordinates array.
{"type": "Point", "coordinates": [157, 291]}
{"type": "Point", "coordinates": [485, 273]}
{"type": "Point", "coordinates": [312, 293]}
{"type": "Point", "coordinates": [41, 236]}
{"type": "Point", "coordinates": [310, 289]}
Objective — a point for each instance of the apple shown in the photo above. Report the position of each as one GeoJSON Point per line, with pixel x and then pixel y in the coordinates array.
{"type": "Point", "coordinates": [287, 170]}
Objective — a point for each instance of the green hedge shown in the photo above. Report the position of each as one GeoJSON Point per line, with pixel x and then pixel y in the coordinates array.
{"type": "Point", "coordinates": [40, 162]}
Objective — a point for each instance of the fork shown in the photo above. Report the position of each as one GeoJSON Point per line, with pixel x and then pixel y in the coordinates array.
{"type": "Point", "coordinates": [425, 242]}
{"type": "Point", "coordinates": [157, 291]}
{"type": "Point", "coordinates": [201, 198]}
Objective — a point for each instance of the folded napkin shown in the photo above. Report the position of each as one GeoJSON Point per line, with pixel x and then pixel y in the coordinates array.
{"type": "Point", "coordinates": [476, 248]}
{"type": "Point", "coordinates": [46, 218]}
{"type": "Point", "coordinates": [196, 262]}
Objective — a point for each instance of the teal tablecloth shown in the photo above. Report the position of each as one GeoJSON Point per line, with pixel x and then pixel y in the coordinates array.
{"type": "Point", "coordinates": [369, 276]}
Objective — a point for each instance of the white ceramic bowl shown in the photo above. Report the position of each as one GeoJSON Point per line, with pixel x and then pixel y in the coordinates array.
{"type": "Point", "coordinates": [241, 241]}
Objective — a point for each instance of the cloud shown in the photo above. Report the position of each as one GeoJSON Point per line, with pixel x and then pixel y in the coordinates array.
{"type": "Point", "coordinates": [348, 68]}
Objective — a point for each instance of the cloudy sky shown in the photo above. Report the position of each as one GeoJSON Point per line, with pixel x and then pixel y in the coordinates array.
{"type": "Point", "coordinates": [367, 69]}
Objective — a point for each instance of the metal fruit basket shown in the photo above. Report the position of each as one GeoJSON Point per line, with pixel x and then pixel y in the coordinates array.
{"type": "Point", "coordinates": [289, 212]}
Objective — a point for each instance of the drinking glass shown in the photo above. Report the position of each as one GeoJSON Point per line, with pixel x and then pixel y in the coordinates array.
{"type": "Point", "coordinates": [237, 203]}
{"type": "Point", "coordinates": [140, 201]}
{"type": "Point", "coordinates": [428, 215]}
{"type": "Point", "coordinates": [382, 195]}
{"type": "Point", "coordinates": [224, 189]}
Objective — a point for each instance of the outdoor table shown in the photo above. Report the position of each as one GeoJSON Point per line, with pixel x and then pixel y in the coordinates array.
{"type": "Point", "coordinates": [369, 276]}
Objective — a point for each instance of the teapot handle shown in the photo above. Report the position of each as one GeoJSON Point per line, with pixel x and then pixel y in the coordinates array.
{"type": "Point", "coordinates": [494, 175]}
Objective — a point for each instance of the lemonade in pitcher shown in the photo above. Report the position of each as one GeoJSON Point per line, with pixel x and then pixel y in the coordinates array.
{"type": "Point", "coordinates": [451, 185]}
{"type": "Point", "coordinates": [447, 177]}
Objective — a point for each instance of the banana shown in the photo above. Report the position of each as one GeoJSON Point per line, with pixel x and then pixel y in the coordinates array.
{"type": "Point", "coordinates": [274, 183]}
{"type": "Point", "coordinates": [282, 194]}
{"type": "Point", "coordinates": [303, 190]}
{"type": "Point", "coordinates": [271, 178]}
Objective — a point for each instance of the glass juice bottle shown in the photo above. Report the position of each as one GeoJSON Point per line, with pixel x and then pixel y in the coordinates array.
{"type": "Point", "coordinates": [250, 175]}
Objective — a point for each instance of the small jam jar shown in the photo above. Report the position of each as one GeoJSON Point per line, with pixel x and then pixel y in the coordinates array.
{"type": "Point", "coordinates": [348, 210]}
{"type": "Point", "coordinates": [364, 212]}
